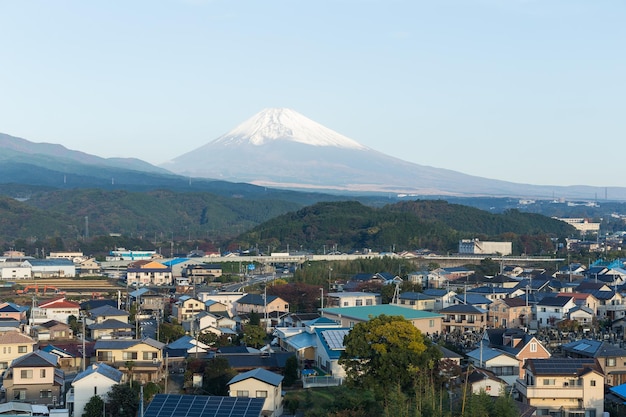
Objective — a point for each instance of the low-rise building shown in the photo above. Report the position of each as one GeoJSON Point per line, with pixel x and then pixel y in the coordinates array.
{"type": "Point", "coordinates": [565, 387]}
{"type": "Point", "coordinates": [352, 299]}
{"type": "Point", "coordinates": [34, 378]}
{"type": "Point", "coordinates": [259, 383]}
{"type": "Point", "coordinates": [95, 380]}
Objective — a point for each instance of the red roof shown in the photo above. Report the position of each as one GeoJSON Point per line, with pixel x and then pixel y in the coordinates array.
{"type": "Point", "coordinates": [60, 302]}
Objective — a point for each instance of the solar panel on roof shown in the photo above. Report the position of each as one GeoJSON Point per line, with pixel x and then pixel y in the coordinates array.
{"type": "Point", "coordinates": [334, 338]}
{"type": "Point", "coordinates": [170, 405]}
{"type": "Point", "coordinates": [582, 346]}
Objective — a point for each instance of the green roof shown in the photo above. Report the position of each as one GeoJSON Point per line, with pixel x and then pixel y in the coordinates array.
{"type": "Point", "coordinates": [365, 312]}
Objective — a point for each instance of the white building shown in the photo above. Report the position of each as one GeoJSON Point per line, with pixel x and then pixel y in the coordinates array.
{"type": "Point", "coordinates": [351, 299]}
{"type": "Point", "coordinates": [97, 379]}
{"type": "Point", "coordinates": [260, 383]}
{"type": "Point", "coordinates": [476, 247]}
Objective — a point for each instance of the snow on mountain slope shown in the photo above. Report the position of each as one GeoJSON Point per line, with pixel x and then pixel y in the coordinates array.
{"type": "Point", "coordinates": [276, 124]}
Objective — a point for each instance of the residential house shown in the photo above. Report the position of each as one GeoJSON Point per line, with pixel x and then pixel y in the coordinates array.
{"type": "Point", "coordinates": [260, 304]}
{"type": "Point", "coordinates": [70, 356]}
{"type": "Point", "coordinates": [58, 309]}
{"type": "Point", "coordinates": [186, 308]}
{"type": "Point", "coordinates": [423, 278]}
{"type": "Point", "coordinates": [442, 276]}
{"type": "Point", "coordinates": [443, 297]}
{"type": "Point", "coordinates": [417, 301]}
{"type": "Point", "coordinates": [552, 309]}
{"type": "Point", "coordinates": [13, 311]}
{"type": "Point", "coordinates": [463, 318]}
{"type": "Point", "coordinates": [88, 267]}
{"type": "Point", "coordinates": [482, 380]}
{"type": "Point", "coordinates": [34, 378]}
{"type": "Point", "coordinates": [564, 387]}
{"type": "Point", "coordinates": [518, 343]}
{"type": "Point", "coordinates": [299, 319]}
{"type": "Point", "coordinates": [611, 304]}
{"type": "Point", "coordinates": [186, 346]}
{"type": "Point", "coordinates": [201, 273]}
{"type": "Point", "coordinates": [141, 359]}
{"type": "Point", "coordinates": [583, 316]}
{"type": "Point", "coordinates": [352, 299]}
{"type": "Point", "coordinates": [229, 299]}
{"type": "Point", "coordinates": [109, 323]}
{"type": "Point", "coordinates": [303, 340]}
{"type": "Point", "coordinates": [149, 301]}
{"type": "Point", "coordinates": [510, 312]}
{"type": "Point", "coordinates": [150, 273]}
{"type": "Point", "coordinates": [12, 346]}
{"type": "Point", "coordinates": [259, 383]}
{"type": "Point", "coordinates": [491, 292]}
{"type": "Point", "coordinates": [476, 300]}
{"type": "Point", "coordinates": [503, 364]}
{"type": "Point", "coordinates": [106, 312]}
{"type": "Point", "coordinates": [95, 380]}
{"type": "Point", "coordinates": [328, 350]}
{"type": "Point", "coordinates": [427, 322]}
{"type": "Point", "coordinates": [51, 330]}
{"type": "Point", "coordinates": [612, 359]}
{"type": "Point", "coordinates": [587, 300]}
{"type": "Point", "coordinates": [215, 307]}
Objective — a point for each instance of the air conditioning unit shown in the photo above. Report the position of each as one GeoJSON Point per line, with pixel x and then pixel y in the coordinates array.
{"type": "Point", "coordinates": [155, 360]}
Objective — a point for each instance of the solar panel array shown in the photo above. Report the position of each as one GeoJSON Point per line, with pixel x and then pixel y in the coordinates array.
{"type": "Point", "coordinates": [334, 338]}
{"type": "Point", "coordinates": [582, 346]}
{"type": "Point", "coordinates": [561, 366]}
{"type": "Point", "coordinates": [171, 405]}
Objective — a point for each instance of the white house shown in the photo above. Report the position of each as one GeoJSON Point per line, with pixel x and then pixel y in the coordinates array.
{"type": "Point", "coordinates": [97, 379]}
{"type": "Point", "coordinates": [352, 299]}
{"type": "Point", "coordinates": [58, 309]}
{"type": "Point", "coordinates": [260, 383]}
{"type": "Point", "coordinates": [553, 309]}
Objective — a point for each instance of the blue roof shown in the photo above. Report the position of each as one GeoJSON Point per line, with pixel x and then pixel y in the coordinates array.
{"type": "Point", "coordinates": [139, 292]}
{"type": "Point", "coordinates": [301, 340]}
{"type": "Point", "coordinates": [174, 261]}
{"type": "Point", "coordinates": [473, 299]}
{"type": "Point", "coordinates": [410, 295]}
{"type": "Point", "coordinates": [259, 374]}
{"type": "Point", "coordinates": [49, 262]}
{"type": "Point", "coordinates": [488, 353]}
{"type": "Point", "coordinates": [102, 369]}
{"type": "Point", "coordinates": [619, 390]}
{"type": "Point", "coordinates": [334, 336]}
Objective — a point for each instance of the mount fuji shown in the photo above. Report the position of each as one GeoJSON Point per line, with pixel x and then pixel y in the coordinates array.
{"type": "Point", "coordinates": [279, 147]}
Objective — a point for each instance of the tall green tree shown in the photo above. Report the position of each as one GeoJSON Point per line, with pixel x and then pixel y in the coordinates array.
{"type": "Point", "coordinates": [384, 352]}
{"type": "Point", "coordinates": [254, 336]}
{"type": "Point", "coordinates": [94, 407]}
{"type": "Point", "coordinates": [122, 401]}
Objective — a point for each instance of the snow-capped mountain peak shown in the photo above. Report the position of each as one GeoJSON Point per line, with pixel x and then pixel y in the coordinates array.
{"type": "Point", "coordinates": [276, 124]}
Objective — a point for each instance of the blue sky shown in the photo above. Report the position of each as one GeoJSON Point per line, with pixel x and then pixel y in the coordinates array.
{"type": "Point", "coordinates": [520, 90]}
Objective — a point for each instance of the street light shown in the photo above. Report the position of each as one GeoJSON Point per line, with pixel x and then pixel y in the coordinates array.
{"type": "Point", "coordinates": [330, 270]}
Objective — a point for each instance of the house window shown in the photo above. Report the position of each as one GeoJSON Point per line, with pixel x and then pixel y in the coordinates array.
{"type": "Point", "coordinates": [533, 347]}
{"type": "Point", "coordinates": [129, 356]}
{"type": "Point", "coordinates": [369, 302]}
{"type": "Point", "coordinates": [19, 394]}
{"type": "Point", "coordinates": [431, 323]}
{"type": "Point", "coordinates": [26, 373]}
{"type": "Point", "coordinates": [359, 303]}
{"type": "Point", "coordinates": [22, 349]}
{"type": "Point", "coordinates": [261, 394]}
{"type": "Point", "coordinates": [346, 304]}
{"type": "Point", "coordinates": [42, 373]}
{"type": "Point", "coordinates": [593, 382]}
{"type": "Point", "coordinates": [610, 361]}
{"type": "Point", "coordinates": [95, 390]}
{"type": "Point", "coordinates": [242, 393]}
{"type": "Point", "coordinates": [549, 382]}
{"type": "Point", "coordinates": [45, 393]}
{"type": "Point", "coordinates": [148, 356]}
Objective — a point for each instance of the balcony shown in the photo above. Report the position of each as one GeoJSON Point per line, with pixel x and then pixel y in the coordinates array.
{"type": "Point", "coordinates": [549, 391]}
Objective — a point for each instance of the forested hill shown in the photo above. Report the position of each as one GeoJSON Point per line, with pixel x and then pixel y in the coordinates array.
{"type": "Point", "coordinates": [436, 225]}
